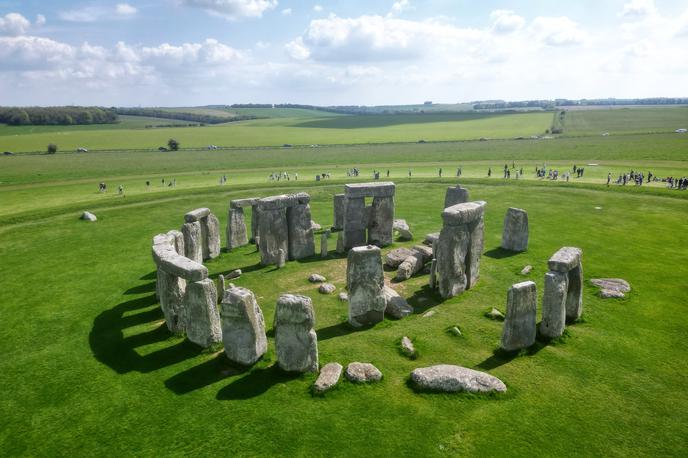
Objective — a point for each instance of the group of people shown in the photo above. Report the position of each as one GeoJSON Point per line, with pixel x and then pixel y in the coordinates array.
{"type": "Point", "coordinates": [277, 176]}
{"type": "Point", "coordinates": [677, 183]}
{"type": "Point", "coordinates": [354, 172]}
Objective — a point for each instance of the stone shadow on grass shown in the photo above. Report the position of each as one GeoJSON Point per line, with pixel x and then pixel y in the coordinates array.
{"type": "Point", "coordinates": [255, 383]}
{"type": "Point", "coordinates": [204, 374]}
{"type": "Point", "coordinates": [110, 347]}
{"type": "Point", "coordinates": [500, 357]}
{"type": "Point", "coordinates": [424, 299]}
{"type": "Point", "coordinates": [140, 289]}
{"type": "Point", "coordinates": [500, 253]}
{"type": "Point", "coordinates": [338, 330]}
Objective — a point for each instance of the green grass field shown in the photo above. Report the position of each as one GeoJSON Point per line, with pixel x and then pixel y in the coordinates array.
{"type": "Point", "coordinates": [89, 368]}
{"type": "Point", "coordinates": [626, 120]}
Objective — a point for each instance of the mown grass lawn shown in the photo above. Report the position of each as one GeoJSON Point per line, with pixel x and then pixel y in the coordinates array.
{"type": "Point", "coordinates": [89, 368]}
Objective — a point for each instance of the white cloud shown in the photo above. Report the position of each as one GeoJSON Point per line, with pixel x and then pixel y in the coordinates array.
{"type": "Point", "coordinates": [639, 9]}
{"type": "Point", "coordinates": [40, 20]}
{"type": "Point", "coordinates": [317, 8]}
{"type": "Point", "coordinates": [125, 9]}
{"type": "Point", "coordinates": [286, 11]}
{"type": "Point", "coordinates": [506, 21]}
{"type": "Point", "coordinates": [14, 24]}
{"type": "Point", "coordinates": [400, 6]}
{"type": "Point", "coordinates": [558, 31]}
{"type": "Point", "coordinates": [233, 9]}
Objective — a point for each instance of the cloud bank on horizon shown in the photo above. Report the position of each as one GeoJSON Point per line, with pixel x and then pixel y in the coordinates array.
{"type": "Point", "coordinates": [194, 52]}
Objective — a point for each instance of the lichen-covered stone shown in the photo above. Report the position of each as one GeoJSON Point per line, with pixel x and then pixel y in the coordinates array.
{"type": "Point", "coordinates": [554, 304]}
{"type": "Point", "coordinates": [296, 342]}
{"type": "Point", "coordinates": [397, 307]}
{"type": "Point", "coordinates": [202, 317]}
{"type": "Point", "coordinates": [317, 278]}
{"type": "Point", "coordinates": [365, 282]}
{"type": "Point", "coordinates": [243, 326]}
{"type": "Point", "coordinates": [212, 234]}
{"type": "Point", "coordinates": [407, 347]}
{"type": "Point", "coordinates": [521, 310]}
{"type": "Point", "coordinates": [196, 215]}
{"type": "Point", "coordinates": [396, 256]}
{"type": "Point", "coordinates": [236, 228]}
{"type": "Point", "coordinates": [193, 243]}
{"type": "Point", "coordinates": [450, 379]}
{"type": "Point", "coordinates": [274, 233]}
{"type": "Point", "coordinates": [300, 232]}
{"type": "Point", "coordinates": [402, 227]}
{"type": "Point", "coordinates": [411, 266]}
{"type": "Point", "coordinates": [363, 373]}
{"type": "Point", "coordinates": [338, 204]}
{"type": "Point", "coordinates": [455, 195]}
{"type": "Point", "coordinates": [515, 233]}
{"type": "Point", "coordinates": [327, 288]}
{"type": "Point", "coordinates": [328, 378]}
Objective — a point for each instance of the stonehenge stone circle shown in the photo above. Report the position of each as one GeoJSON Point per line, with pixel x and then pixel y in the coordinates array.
{"type": "Point", "coordinates": [568, 260]}
{"type": "Point", "coordinates": [363, 373]}
{"type": "Point", "coordinates": [193, 245]}
{"type": "Point", "coordinates": [323, 245]}
{"type": "Point", "coordinates": [411, 266]}
{"type": "Point", "coordinates": [209, 239]}
{"type": "Point", "coordinates": [365, 283]}
{"type": "Point", "coordinates": [338, 212]}
{"type": "Point", "coordinates": [455, 195]}
{"type": "Point", "coordinates": [284, 223]}
{"type": "Point", "coordinates": [459, 248]}
{"type": "Point", "coordinates": [236, 228]}
{"type": "Point", "coordinates": [296, 343]}
{"type": "Point", "coordinates": [213, 236]}
{"type": "Point", "coordinates": [328, 378]}
{"type": "Point", "coordinates": [515, 233]}
{"type": "Point", "coordinates": [373, 224]}
{"type": "Point", "coordinates": [554, 304]}
{"type": "Point", "coordinates": [243, 326]}
{"type": "Point", "coordinates": [449, 379]}
{"type": "Point", "coordinates": [521, 310]}
{"type": "Point", "coordinates": [202, 317]}
{"type": "Point", "coordinates": [301, 240]}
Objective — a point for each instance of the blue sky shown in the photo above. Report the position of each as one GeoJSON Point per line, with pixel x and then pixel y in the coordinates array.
{"type": "Point", "coordinates": [194, 52]}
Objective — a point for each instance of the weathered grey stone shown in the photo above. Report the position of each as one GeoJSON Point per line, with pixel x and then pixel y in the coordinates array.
{"type": "Point", "coordinates": [397, 256]}
{"type": "Point", "coordinates": [455, 195]}
{"type": "Point", "coordinates": [429, 313]}
{"type": "Point", "coordinates": [574, 295]}
{"type": "Point", "coordinates": [475, 251]}
{"type": "Point", "coordinates": [521, 310]}
{"type": "Point", "coordinates": [255, 217]}
{"type": "Point", "coordinates": [172, 289]}
{"type": "Point", "coordinates": [515, 233]}
{"type": "Point", "coordinates": [425, 251]}
{"type": "Point", "coordinates": [526, 270]}
{"type": "Point", "coordinates": [243, 203]}
{"type": "Point", "coordinates": [296, 343]}
{"type": "Point", "coordinates": [212, 234]}
{"type": "Point", "coordinates": [221, 285]}
{"type": "Point", "coordinates": [315, 226]}
{"type": "Point", "coordinates": [281, 258]}
{"type": "Point", "coordinates": [611, 294]}
{"type": "Point", "coordinates": [431, 238]}
{"type": "Point", "coordinates": [202, 318]}
{"type": "Point", "coordinates": [554, 304]}
{"type": "Point", "coordinates": [328, 378]}
{"type": "Point", "coordinates": [452, 248]}
{"type": "Point", "coordinates": [323, 245]}
{"type": "Point", "coordinates": [300, 231]}
{"type": "Point", "coordinates": [612, 284]}
{"type": "Point", "coordinates": [402, 227]}
{"type": "Point", "coordinates": [178, 241]}
{"type": "Point", "coordinates": [381, 221]}
{"type": "Point", "coordinates": [411, 266]}
{"type": "Point", "coordinates": [343, 296]}
{"type": "Point", "coordinates": [340, 243]}
{"type": "Point", "coordinates": [449, 379]}
{"type": "Point", "coordinates": [327, 288]}
{"type": "Point", "coordinates": [317, 278]}
{"type": "Point", "coordinates": [168, 260]}
{"type": "Point", "coordinates": [236, 228]}
{"type": "Point", "coordinates": [462, 214]}
{"type": "Point", "coordinates": [565, 259]}
{"type": "Point", "coordinates": [196, 215]}
{"type": "Point", "coordinates": [355, 222]}
{"type": "Point", "coordinates": [363, 373]}
{"type": "Point", "coordinates": [365, 282]}
{"type": "Point", "coordinates": [432, 281]}
{"type": "Point", "coordinates": [407, 347]}
{"type": "Point", "coordinates": [338, 204]}
{"type": "Point", "coordinates": [88, 216]}
{"type": "Point", "coordinates": [396, 307]}
{"type": "Point", "coordinates": [193, 244]}
{"type": "Point", "coordinates": [381, 189]}
{"type": "Point", "coordinates": [495, 314]}
{"type": "Point", "coordinates": [243, 327]}
{"type": "Point", "coordinates": [236, 273]}
{"type": "Point", "coordinates": [273, 235]}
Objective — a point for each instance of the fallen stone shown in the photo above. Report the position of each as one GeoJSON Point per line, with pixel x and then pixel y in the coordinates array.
{"type": "Point", "coordinates": [88, 216]}
{"type": "Point", "coordinates": [402, 227]}
{"type": "Point", "coordinates": [495, 314]}
{"type": "Point", "coordinates": [425, 251]}
{"type": "Point", "coordinates": [612, 284]}
{"type": "Point", "coordinates": [236, 273]}
{"type": "Point", "coordinates": [397, 256]}
{"type": "Point", "coordinates": [456, 331]}
{"type": "Point", "coordinates": [328, 378]}
{"type": "Point", "coordinates": [343, 296]}
{"type": "Point", "coordinates": [363, 373]}
{"type": "Point", "coordinates": [243, 327]}
{"type": "Point", "coordinates": [611, 294]}
{"type": "Point", "coordinates": [296, 343]}
{"type": "Point", "coordinates": [407, 347]}
{"type": "Point", "coordinates": [327, 288]}
{"type": "Point", "coordinates": [526, 270]}
{"type": "Point", "coordinates": [431, 238]}
{"type": "Point", "coordinates": [397, 307]}
{"type": "Point", "coordinates": [317, 278]}
{"type": "Point", "coordinates": [450, 379]}
{"type": "Point", "coordinates": [411, 266]}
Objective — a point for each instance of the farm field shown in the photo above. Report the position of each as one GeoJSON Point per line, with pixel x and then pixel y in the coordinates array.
{"type": "Point", "coordinates": [626, 120]}
{"type": "Point", "coordinates": [297, 130]}
{"type": "Point", "coordinates": [90, 360]}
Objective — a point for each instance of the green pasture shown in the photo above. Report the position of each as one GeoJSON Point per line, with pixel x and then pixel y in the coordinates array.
{"type": "Point", "coordinates": [617, 121]}
{"type": "Point", "coordinates": [91, 369]}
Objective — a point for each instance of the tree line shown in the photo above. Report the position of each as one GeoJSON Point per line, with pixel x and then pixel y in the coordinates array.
{"type": "Point", "coordinates": [182, 116]}
{"type": "Point", "coordinates": [552, 104]}
{"type": "Point", "coordinates": [60, 116]}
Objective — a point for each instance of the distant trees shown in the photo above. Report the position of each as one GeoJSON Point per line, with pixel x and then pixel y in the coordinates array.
{"type": "Point", "coordinates": [61, 116]}
{"type": "Point", "coordinates": [52, 148]}
{"type": "Point", "coordinates": [173, 144]}
{"type": "Point", "coordinates": [183, 116]}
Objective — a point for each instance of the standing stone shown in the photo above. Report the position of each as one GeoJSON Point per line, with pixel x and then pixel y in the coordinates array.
{"type": "Point", "coordinates": [432, 281]}
{"type": "Point", "coordinates": [519, 324]}
{"type": "Point", "coordinates": [554, 304]}
{"type": "Point", "coordinates": [340, 243]}
{"type": "Point", "coordinates": [202, 318]}
{"type": "Point", "coordinates": [323, 244]}
{"type": "Point", "coordinates": [338, 212]}
{"type": "Point", "coordinates": [296, 343]}
{"type": "Point", "coordinates": [212, 232]}
{"type": "Point", "coordinates": [178, 241]}
{"type": "Point", "coordinates": [365, 282]}
{"type": "Point", "coordinates": [172, 289]}
{"type": "Point", "coordinates": [515, 234]}
{"type": "Point", "coordinates": [273, 232]}
{"type": "Point", "coordinates": [193, 245]}
{"type": "Point", "coordinates": [455, 195]}
{"type": "Point", "coordinates": [281, 258]}
{"type": "Point", "coordinates": [568, 260]}
{"type": "Point", "coordinates": [220, 286]}
{"type": "Point", "coordinates": [255, 223]}
{"type": "Point", "coordinates": [475, 251]}
{"type": "Point", "coordinates": [355, 222]}
{"type": "Point", "coordinates": [236, 228]}
{"type": "Point", "coordinates": [381, 221]}
{"type": "Point", "coordinates": [243, 327]}
{"type": "Point", "coordinates": [300, 231]}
